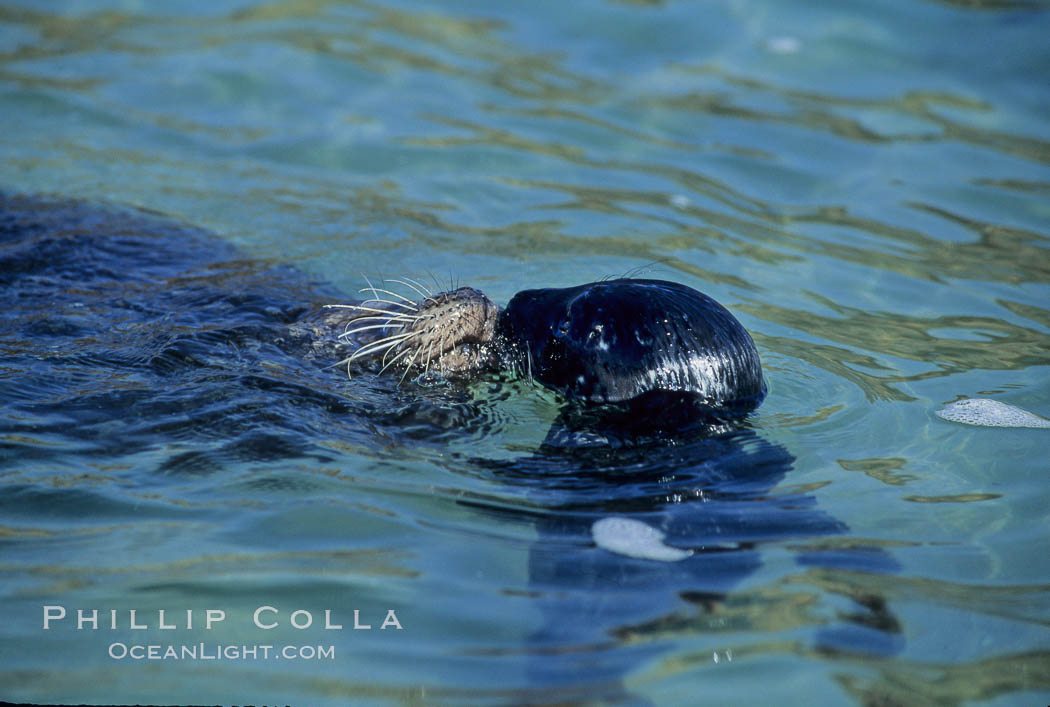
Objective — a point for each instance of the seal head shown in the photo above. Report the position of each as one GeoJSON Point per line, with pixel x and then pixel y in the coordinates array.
{"type": "Point", "coordinates": [614, 341]}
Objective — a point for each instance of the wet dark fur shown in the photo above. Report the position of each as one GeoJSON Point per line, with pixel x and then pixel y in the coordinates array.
{"type": "Point", "coordinates": [616, 340]}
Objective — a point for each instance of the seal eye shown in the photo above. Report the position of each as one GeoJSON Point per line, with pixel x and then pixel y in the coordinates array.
{"type": "Point", "coordinates": [563, 327]}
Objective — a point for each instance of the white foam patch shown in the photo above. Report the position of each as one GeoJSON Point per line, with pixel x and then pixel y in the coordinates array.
{"type": "Point", "coordinates": [635, 539]}
{"type": "Point", "coordinates": [990, 413]}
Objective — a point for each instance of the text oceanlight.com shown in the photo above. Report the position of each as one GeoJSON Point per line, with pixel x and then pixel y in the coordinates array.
{"type": "Point", "coordinates": [204, 651]}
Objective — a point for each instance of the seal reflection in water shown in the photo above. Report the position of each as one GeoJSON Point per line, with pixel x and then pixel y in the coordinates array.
{"type": "Point", "coordinates": [615, 341]}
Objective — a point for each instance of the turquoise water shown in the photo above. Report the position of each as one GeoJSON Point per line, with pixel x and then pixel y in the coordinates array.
{"type": "Point", "coordinates": [865, 184]}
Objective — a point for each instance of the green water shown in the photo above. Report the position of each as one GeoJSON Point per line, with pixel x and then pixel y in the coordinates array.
{"type": "Point", "coordinates": [865, 184]}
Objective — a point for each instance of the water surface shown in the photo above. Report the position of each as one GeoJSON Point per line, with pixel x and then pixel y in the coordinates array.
{"type": "Point", "coordinates": [865, 184]}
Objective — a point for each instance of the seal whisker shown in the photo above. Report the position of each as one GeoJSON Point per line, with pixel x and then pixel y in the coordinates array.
{"type": "Point", "coordinates": [437, 285]}
{"type": "Point", "coordinates": [408, 366]}
{"type": "Point", "coordinates": [362, 308]}
{"type": "Point", "coordinates": [375, 289]}
{"type": "Point", "coordinates": [370, 285]}
{"type": "Point", "coordinates": [422, 291]}
{"type": "Point", "coordinates": [391, 349]}
{"type": "Point", "coordinates": [340, 362]}
{"type": "Point", "coordinates": [416, 282]}
{"type": "Point", "coordinates": [390, 318]}
{"type": "Point", "coordinates": [380, 345]}
{"type": "Point", "coordinates": [385, 322]}
{"type": "Point", "coordinates": [360, 352]}
{"type": "Point", "coordinates": [444, 338]}
{"type": "Point", "coordinates": [406, 303]}
{"type": "Point", "coordinates": [429, 352]}
{"type": "Point", "coordinates": [395, 304]}
{"type": "Point", "coordinates": [394, 360]}
{"type": "Point", "coordinates": [358, 330]}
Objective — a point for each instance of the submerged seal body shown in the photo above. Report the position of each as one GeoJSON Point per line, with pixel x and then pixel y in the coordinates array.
{"type": "Point", "coordinates": [603, 342]}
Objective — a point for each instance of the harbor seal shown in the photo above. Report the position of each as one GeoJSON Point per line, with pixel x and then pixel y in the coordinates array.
{"type": "Point", "coordinates": [648, 348]}
{"type": "Point", "coordinates": [613, 341]}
